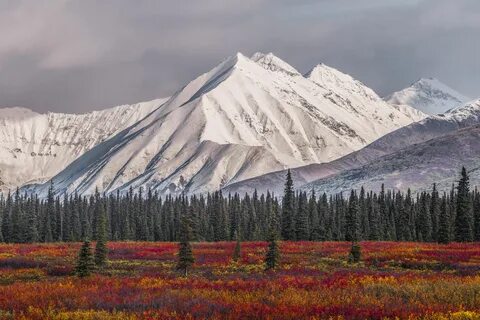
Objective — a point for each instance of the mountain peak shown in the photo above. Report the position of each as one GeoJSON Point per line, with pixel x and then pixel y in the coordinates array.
{"type": "Point", "coordinates": [336, 81]}
{"type": "Point", "coordinates": [322, 73]}
{"type": "Point", "coordinates": [271, 62]}
{"type": "Point", "coordinates": [429, 95]}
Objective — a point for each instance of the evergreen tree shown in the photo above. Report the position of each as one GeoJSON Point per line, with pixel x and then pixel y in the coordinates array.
{"type": "Point", "coordinates": [301, 221]}
{"type": "Point", "coordinates": [444, 223]}
{"type": "Point", "coordinates": [101, 250]}
{"type": "Point", "coordinates": [463, 222]}
{"type": "Point", "coordinates": [47, 235]}
{"type": "Point", "coordinates": [237, 251]}
{"type": "Point", "coordinates": [403, 209]}
{"type": "Point", "coordinates": [424, 219]}
{"type": "Point", "coordinates": [382, 214]}
{"type": "Point", "coordinates": [185, 253]}
{"type": "Point", "coordinates": [272, 258]}
{"type": "Point", "coordinates": [373, 217]}
{"type": "Point", "coordinates": [434, 211]}
{"type": "Point", "coordinates": [351, 223]}
{"type": "Point", "coordinates": [314, 218]}
{"type": "Point", "coordinates": [85, 263]}
{"type": "Point", "coordinates": [7, 227]}
{"type": "Point", "coordinates": [288, 209]}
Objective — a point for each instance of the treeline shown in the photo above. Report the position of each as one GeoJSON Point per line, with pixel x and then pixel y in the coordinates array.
{"type": "Point", "coordinates": [386, 215]}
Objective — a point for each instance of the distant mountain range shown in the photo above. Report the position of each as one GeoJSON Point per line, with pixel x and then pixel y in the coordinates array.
{"type": "Point", "coordinates": [237, 127]}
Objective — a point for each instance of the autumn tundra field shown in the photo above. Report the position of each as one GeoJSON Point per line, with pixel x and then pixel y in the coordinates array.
{"type": "Point", "coordinates": [314, 280]}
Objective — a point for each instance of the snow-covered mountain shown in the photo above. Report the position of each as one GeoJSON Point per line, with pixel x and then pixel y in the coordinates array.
{"type": "Point", "coordinates": [34, 147]}
{"type": "Point", "coordinates": [243, 118]}
{"type": "Point", "coordinates": [347, 172]}
{"type": "Point", "coordinates": [428, 95]}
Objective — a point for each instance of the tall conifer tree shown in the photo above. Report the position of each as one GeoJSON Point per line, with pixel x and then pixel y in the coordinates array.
{"type": "Point", "coordinates": [288, 209]}
{"type": "Point", "coordinates": [185, 253]}
{"type": "Point", "coordinates": [463, 222]}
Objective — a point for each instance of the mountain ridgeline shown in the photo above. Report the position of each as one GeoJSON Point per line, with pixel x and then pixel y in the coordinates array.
{"type": "Point", "coordinates": [244, 118]}
{"type": "Point", "coordinates": [239, 127]}
{"type": "Point", "coordinates": [363, 215]}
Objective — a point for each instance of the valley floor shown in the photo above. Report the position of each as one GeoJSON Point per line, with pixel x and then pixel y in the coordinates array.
{"type": "Point", "coordinates": [404, 280]}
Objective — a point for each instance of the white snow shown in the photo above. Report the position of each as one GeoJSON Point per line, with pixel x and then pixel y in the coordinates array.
{"type": "Point", "coordinates": [428, 95]}
{"type": "Point", "coordinates": [243, 118]}
{"type": "Point", "coordinates": [34, 147]}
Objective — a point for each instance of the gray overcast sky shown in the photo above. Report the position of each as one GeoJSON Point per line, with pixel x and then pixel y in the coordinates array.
{"type": "Point", "coordinates": [76, 56]}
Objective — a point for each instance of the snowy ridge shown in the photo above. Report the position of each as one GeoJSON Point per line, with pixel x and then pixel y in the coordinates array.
{"type": "Point", "coordinates": [332, 172]}
{"type": "Point", "coordinates": [34, 147]}
{"type": "Point", "coordinates": [241, 119]}
{"type": "Point", "coordinates": [428, 95]}
{"type": "Point", "coordinates": [270, 62]}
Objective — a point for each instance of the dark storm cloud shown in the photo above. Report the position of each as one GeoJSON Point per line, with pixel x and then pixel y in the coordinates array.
{"type": "Point", "coordinates": [75, 56]}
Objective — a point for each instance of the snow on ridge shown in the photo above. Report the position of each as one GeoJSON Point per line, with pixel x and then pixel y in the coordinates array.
{"type": "Point", "coordinates": [428, 95]}
{"type": "Point", "coordinates": [273, 63]}
{"type": "Point", "coordinates": [36, 146]}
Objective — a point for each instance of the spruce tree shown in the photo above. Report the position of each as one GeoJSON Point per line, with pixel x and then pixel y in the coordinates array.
{"type": "Point", "coordinates": [101, 250]}
{"type": "Point", "coordinates": [403, 209]}
{"type": "Point", "coordinates": [288, 209]}
{"type": "Point", "coordinates": [85, 263]}
{"type": "Point", "coordinates": [185, 253]}
{"type": "Point", "coordinates": [434, 211]}
{"type": "Point", "coordinates": [424, 219]}
{"type": "Point", "coordinates": [272, 258]}
{"type": "Point", "coordinates": [444, 223]}
{"type": "Point", "coordinates": [373, 217]}
{"type": "Point", "coordinates": [301, 219]}
{"type": "Point", "coordinates": [351, 219]}
{"type": "Point", "coordinates": [7, 226]}
{"type": "Point", "coordinates": [47, 235]}
{"type": "Point", "coordinates": [463, 221]}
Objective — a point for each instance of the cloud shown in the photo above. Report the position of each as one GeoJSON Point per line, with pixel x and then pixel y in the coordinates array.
{"type": "Point", "coordinates": [72, 56]}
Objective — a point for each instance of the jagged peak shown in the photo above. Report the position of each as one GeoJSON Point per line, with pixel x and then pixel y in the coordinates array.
{"type": "Point", "coordinates": [271, 62]}
{"type": "Point", "coordinates": [335, 80]}
{"type": "Point", "coordinates": [322, 71]}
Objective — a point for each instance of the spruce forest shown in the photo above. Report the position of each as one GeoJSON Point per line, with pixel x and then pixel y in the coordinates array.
{"type": "Point", "coordinates": [294, 216]}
